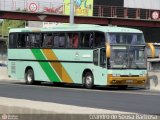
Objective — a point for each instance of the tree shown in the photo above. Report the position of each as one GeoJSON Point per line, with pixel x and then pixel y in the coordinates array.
{"type": "Point", "coordinates": [6, 24]}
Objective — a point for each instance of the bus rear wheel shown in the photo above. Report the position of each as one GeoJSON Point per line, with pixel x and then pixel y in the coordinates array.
{"type": "Point", "coordinates": [88, 80]}
{"type": "Point", "coordinates": [29, 77]}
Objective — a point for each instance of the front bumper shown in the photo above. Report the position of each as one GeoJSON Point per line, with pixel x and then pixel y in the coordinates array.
{"type": "Point", "coordinates": [118, 80]}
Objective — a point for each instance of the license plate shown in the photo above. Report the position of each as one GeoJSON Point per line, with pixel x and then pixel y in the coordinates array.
{"type": "Point", "coordinates": [129, 81]}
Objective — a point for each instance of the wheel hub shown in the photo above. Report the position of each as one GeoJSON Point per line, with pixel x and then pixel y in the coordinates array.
{"type": "Point", "coordinates": [29, 77]}
{"type": "Point", "coordinates": [88, 80]}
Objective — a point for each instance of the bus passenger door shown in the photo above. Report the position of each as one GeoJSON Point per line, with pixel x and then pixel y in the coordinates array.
{"type": "Point", "coordinates": [99, 70]}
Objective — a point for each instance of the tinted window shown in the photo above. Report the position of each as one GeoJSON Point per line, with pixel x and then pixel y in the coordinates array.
{"type": "Point", "coordinates": [47, 40]}
{"type": "Point", "coordinates": [22, 39]}
{"type": "Point", "coordinates": [86, 40]}
{"type": "Point", "coordinates": [99, 39]}
{"type": "Point", "coordinates": [69, 40]}
{"type": "Point", "coordinates": [95, 57]}
{"type": "Point", "coordinates": [62, 40]}
{"type": "Point", "coordinates": [75, 40]}
{"type": "Point", "coordinates": [59, 40]}
{"type": "Point", "coordinates": [13, 40]}
{"type": "Point", "coordinates": [34, 40]}
{"type": "Point", "coordinates": [72, 40]}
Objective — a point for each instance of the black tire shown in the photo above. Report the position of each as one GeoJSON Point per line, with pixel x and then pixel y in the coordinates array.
{"type": "Point", "coordinates": [88, 80]}
{"type": "Point", "coordinates": [29, 77]}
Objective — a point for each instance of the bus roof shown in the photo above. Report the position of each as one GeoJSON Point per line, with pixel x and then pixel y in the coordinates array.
{"type": "Point", "coordinates": [78, 27]}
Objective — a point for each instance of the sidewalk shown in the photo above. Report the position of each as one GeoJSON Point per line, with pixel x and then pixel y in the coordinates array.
{"type": "Point", "coordinates": [3, 73]}
{"type": "Point", "coordinates": [32, 110]}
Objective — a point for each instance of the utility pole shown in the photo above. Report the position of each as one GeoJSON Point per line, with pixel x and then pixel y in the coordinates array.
{"type": "Point", "coordinates": [2, 30]}
{"type": "Point", "coordinates": [71, 12]}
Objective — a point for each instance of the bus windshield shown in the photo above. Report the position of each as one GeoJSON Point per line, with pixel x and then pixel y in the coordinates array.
{"type": "Point", "coordinates": [126, 38]}
{"type": "Point", "coordinates": [128, 57]}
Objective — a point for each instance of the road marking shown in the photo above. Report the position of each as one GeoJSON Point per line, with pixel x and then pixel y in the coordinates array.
{"type": "Point", "coordinates": [141, 92]}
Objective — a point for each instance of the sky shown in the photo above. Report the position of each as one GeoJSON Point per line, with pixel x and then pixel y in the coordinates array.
{"type": "Point", "coordinates": [146, 4]}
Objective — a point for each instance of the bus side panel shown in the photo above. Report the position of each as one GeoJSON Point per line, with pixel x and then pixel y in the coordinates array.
{"type": "Point", "coordinates": [19, 60]}
{"type": "Point", "coordinates": [100, 75]}
{"type": "Point", "coordinates": [72, 63]}
{"type": "Point", "coordinates": [48, 65]}
{"type": "Point", "coordinates": [12, 69]}
{"type": "Point", "coordinates": [76, 61]}
{"type": "Point", "coordinates": [74, 71]}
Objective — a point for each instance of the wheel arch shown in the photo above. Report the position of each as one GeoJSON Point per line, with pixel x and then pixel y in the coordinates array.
{"type": "Point", "coordinates": [84, 72]}
{"type": "Point", "coordinates": [27, 68]}
{"type": "Point", "coordinates": [27, 72]}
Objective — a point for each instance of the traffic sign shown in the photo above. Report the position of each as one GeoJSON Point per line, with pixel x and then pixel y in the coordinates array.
{"type": "Point", "coordinates": [33, 7]}
{"type": "Point", "coordinates": [155, 15]}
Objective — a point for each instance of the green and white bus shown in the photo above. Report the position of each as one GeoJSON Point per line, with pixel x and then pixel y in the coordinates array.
{"type": "Point", "coordinates": [79, 54]}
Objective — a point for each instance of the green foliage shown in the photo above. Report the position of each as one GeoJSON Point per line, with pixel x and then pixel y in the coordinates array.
{"type": "Point", "coordinates": [6, 24]}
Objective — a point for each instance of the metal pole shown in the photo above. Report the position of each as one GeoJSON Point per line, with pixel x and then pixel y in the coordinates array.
{"type": "Point", "coordinates": [71, 12]}
{"type": "Point", "coordinates": [2, 28]}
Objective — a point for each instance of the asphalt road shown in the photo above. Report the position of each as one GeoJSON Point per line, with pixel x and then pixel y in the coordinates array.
{"type": "Point", "coordinates": [130, 100]}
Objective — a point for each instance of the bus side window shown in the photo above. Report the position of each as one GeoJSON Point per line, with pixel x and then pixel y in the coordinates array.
{"type": "Point", "coordinates": [86, 40]}
{"type": "Point", "coordinates": [56, 41]}
{"type": "Point", "coordinates": [91, 39]}
{"type": "Point", "coordinates": [95, 57]}
{"type": "Point", "coordinates": [22, 40]}
{"type": "Point", "coordinates": [34, 40]}
{"type": "Point", "coordinates": [72, 40]}
{"type": "Point", "coordinates": [75, 40]}
{"type": "Point", "coordinates": [13, 40]}
{"type": "Point", "coordinates": [38, 39]}
{"type": "Point", "coordinates": [27, 41]}
{"type": "Point", "coordinates": [99, 39]}
{"type": "Point", "coordinates": [62, 40]}
{"type": "Point", "coordinates": [47, 40]}
{"type": "Point", "coordinates": [69, 40]}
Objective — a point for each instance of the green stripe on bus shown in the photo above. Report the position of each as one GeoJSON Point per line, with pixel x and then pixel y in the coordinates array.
{"type": "Point", "coordinates": [45, 66]}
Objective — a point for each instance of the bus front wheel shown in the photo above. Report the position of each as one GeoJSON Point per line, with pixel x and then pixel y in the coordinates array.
{"type": "Point", "coordinates": [29, 77]}
{"type": "Point", "coordinates": [88, 80]}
